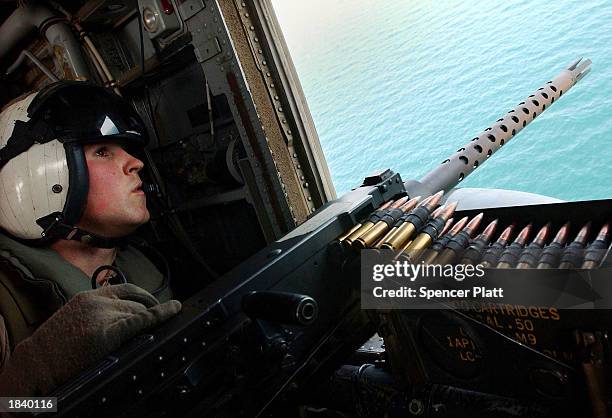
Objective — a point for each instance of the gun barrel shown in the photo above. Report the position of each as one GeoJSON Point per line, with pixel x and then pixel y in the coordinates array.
{"type": "Point", "coordinates": [473, 154]}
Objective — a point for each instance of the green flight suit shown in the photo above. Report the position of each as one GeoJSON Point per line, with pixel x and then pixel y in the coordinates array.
{"type": "Point", "coordinates": [35, 282]}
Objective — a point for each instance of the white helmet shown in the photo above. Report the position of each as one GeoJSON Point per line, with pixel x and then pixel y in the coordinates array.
{"type": "Point", "coordinates": [44, 179]}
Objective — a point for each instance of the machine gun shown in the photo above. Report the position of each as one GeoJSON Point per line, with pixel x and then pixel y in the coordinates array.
{"type": "Point", "coordinates": [265, 336]}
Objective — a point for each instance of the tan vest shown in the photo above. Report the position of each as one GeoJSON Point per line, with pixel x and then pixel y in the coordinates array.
{"type": "Point", "coordinates": [35, 282]}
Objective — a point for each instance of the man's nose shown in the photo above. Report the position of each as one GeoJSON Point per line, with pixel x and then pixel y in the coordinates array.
{"type": "Point", "coordinates": [132, 164]}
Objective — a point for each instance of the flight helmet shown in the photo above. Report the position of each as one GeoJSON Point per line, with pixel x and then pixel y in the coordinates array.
{"type": "Point", "coordinates": [44, 179]}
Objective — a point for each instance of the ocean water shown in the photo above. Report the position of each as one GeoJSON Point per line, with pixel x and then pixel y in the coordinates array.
{"type": "Point", "coordinates": [404, 84]}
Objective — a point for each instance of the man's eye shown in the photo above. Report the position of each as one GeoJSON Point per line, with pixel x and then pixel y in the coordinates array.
{"type": "Point", "coordinates": [102, 152]}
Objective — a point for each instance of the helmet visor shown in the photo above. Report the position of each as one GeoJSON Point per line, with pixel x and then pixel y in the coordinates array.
{"type": "Point", "coordinates": [80, 112]}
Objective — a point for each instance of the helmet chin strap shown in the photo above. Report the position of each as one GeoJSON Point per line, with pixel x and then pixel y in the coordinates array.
{"type": "Point", "coordinates": [55, 228]}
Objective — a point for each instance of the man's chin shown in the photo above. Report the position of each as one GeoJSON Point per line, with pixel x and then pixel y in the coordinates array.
{"type": "Point", "coordinates": [138, 217]}
{"type": "Point", "coordinates": [116, 229]}
{"type": "Point", "coordinates": [145, 217]}
{"type": "Point", "coordinates": [132, 227]}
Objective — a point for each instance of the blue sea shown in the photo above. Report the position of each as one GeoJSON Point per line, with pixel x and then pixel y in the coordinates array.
{"type": "Point", "coordinates": [403, 84]}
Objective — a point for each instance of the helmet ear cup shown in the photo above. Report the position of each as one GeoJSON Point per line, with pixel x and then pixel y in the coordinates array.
{"type": "Point", "coordinates": [76, 198]}
{"type": "Point", "coordinates": [61, 224]}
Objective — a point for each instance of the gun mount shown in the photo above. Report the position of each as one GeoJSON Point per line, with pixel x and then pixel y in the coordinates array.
{"type": "Point", "coordinates": [214, 360]}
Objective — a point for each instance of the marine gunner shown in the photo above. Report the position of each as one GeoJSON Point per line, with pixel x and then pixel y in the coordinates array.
{"type": "Point", "coordinates": [71, 193]}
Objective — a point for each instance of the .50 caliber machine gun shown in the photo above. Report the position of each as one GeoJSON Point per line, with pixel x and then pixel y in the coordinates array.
{"type": "Point", "coordinates": [283, 328]}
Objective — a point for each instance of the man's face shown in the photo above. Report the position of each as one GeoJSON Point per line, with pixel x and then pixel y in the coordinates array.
{"type": "Point", "coordinates": [116, 204]}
